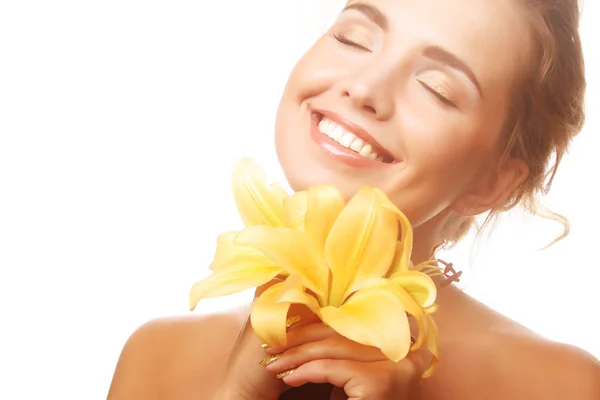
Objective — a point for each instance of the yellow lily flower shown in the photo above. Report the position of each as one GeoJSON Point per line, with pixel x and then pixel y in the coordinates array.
{"type": "Point", "coordinates": [416, 281]}
{"type": "Point", "coordinates": [355, 247]}
{"type": "Point", "coordinates": [343, 261]}
{"type": "Point", "coordinates": [257, 203]}
{"type": "Point", "coordinates": [237, 268]}
{"type": "Point", "coordinates": [416, 292]}
{"type": "Point", "coordinates": [431, 343]}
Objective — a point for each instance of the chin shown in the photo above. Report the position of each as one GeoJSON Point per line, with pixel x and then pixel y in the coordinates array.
{"type": "Point", "coordinates": [302, 172]}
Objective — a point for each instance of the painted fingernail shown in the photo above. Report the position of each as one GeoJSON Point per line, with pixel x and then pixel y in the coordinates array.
{"type": "Point", "coordinates": [285, 373]}
{"type": "Point", "coordinates": [269, 360]}
{"type": "Point", "coordinates": [291, 321]}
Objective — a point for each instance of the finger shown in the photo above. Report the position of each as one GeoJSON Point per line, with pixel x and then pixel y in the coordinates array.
{"type": "Point", "coordinates": [358, 379]}
{"type": "Point", "coordinates": [302, 334]}
{"type": "Point", "coordinates": [334, 348]}
{"type": "Point", "coordinates": [336, 372]}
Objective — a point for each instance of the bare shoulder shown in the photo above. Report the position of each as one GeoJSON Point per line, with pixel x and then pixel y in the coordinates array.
{"type": "Point", "coordinates": [507, 361]}
{"type": "Point", "coordinates": [535, 367]}
{"type": "Point", "coordinates": [175, 357]}
{"type": "Point", "coordinates": [484, 355]}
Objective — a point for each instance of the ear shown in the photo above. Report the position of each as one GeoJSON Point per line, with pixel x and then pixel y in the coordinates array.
{"type": "Point", "coordinates": [492, 191]}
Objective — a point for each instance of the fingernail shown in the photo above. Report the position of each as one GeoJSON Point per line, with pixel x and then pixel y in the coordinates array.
{"type": "Point", "coordinates": [269, 360]}
{"type": "Point", "coordinates": [291, 321]}
{"type": "Point", "coordinates": [285, 373]}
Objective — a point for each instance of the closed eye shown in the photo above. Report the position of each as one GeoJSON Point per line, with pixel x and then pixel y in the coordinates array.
{"type": "Point", "coordinates": [344, 40]}
{"type": "Point", "coordinates": [439, 94]}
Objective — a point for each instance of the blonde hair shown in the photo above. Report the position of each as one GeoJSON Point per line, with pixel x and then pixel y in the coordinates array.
{"type": "Point", "coordinates": [548, 111]}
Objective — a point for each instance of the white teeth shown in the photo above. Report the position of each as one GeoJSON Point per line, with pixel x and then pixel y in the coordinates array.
{"type": "Point", "coordinates": [324, 126]}
{"type": "Point", "coordinates": [347, 139]}
{"type": "Point", "coordinates": [357, 145]}
{"type": "Point", "coordinates": [366, 151]}
{"type": "Point", "coordinates": [337, 132]}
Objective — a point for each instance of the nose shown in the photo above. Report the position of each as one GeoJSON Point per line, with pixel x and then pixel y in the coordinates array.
{"type": "Point", "coordinates": [371, 91]}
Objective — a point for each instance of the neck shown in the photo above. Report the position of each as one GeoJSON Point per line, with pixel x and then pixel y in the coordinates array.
{"type": "Point", "coordinates": [425, 238]}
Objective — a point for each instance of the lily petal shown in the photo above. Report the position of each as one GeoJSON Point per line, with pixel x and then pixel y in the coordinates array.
{"type": "Point", "coordinates": [405, 244]}
{"type": "Point", "coordinates": [420, 286]}
{"type": "Point", "coordinates": [257, 203]}
{"type": "Point", "coordinates": [232, 280]}
{"type": "Point", "coordinates": [314, 211]}
{"type": "Point", "coordinates": [291, 250]}
{"type": "Point", "coordinates": [432, 345]}
{"type": "Point", "coordinates": [325, 203]}
{"type": "Point", "coordinates": [229, 254]}
{"type": "Point", "coordinates": [373, 317]}
{"type": "Point", "coordinates": [408, 303]}
{"type": "Point", "coordinates": [406, 241]}
{"type": "Point", "coordinates": [268, 317]}
{"type": "Point", "coordinates": [361, 244]}
{"type": "Point", "coordinates": [399, 262]}
{"type": "Point", "coordinates": [294, 293]}
{"type": "Point", "coordinates": [225, 248]}
{"type": "Point", "coordinates": [294, 210]}
{"type": "Point", "coordinates": [433, 308]}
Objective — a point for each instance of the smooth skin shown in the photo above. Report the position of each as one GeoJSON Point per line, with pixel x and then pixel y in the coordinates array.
{"type": "Point", "coordinates": [483, 355]}
{"type": "Point", "coordinates": [397, 78]}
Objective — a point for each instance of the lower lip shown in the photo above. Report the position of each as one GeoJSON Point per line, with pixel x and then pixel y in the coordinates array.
{"type": "Point", "coordinates": [336, 150]}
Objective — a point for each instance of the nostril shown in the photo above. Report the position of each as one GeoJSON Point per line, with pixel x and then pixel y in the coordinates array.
{"type": "Point", "coordinates": [361, 100]}
{"type": "Point", "coordinates": [370, 109]}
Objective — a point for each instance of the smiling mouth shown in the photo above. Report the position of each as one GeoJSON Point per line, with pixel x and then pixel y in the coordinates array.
{"type": "Point", "coordinates": [352, 139]}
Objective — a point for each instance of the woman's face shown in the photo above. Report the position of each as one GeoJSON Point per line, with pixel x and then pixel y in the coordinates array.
{"type": "Point", "coordinates": [407, 96]}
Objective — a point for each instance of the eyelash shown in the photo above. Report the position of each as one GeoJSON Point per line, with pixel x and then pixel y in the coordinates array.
{"type": "Point", "coordinates": [344, 40]}
{"type": "Point", "coordinates": [446, 101]}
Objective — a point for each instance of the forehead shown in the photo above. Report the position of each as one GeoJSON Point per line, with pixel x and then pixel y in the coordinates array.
{"type": "Point", "coordinates": [491, 36]}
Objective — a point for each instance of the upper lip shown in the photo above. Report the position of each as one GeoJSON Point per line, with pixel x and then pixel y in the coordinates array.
{"type": "Point", "coordinates": [358, 131]}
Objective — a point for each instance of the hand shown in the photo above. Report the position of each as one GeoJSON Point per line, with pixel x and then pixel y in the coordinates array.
{"type": "Point", "coordinates": [316, 353]}
{"type": "Point", "coordinates": [246, 379]}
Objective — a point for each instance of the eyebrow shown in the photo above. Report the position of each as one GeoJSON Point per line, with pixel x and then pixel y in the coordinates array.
{"type": "Point", "coordinates": [371, 12]}
{"type": "Point", "coordinates": [434, 52]}
{"type": "Point", "coordinates": [444, 56]}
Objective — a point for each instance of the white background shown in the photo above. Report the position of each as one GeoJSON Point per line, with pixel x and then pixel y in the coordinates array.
{"type": "Point", "coordinates": [119, 123]}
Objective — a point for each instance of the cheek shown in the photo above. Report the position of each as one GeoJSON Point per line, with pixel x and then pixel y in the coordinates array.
{"type": "Point", "coordinates": [450, 162]}
{"type": "Point", "coordinates": [440, 167]}
{"type": "Point", "coordinates": [436, 143]}
{"type": "Point", "coordinates": [438, 139]}
{"type": "Point", "coordinates": [316, 72]}
{"type": "Point", "coordinates": [313, 75]}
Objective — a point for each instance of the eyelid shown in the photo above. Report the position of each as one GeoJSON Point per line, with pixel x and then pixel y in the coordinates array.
{"type": "Point", "coordinates": [353, 37]}
{"type": "Point", "coordinates": [438, 87]}
{"type": "Point", "coordinates": [345, 40]}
